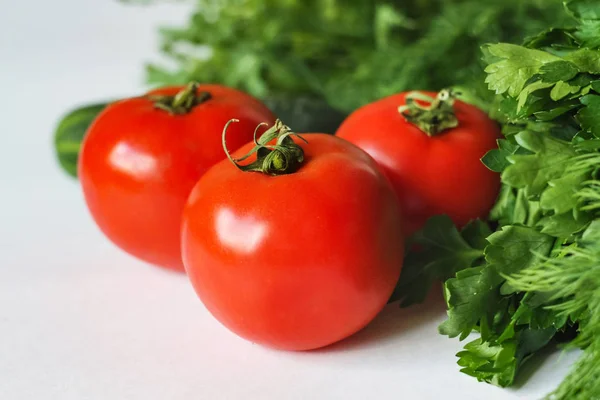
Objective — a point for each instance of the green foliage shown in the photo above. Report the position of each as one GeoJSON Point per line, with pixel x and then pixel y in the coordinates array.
{"type": "Point", "coordinates": [540, 276]}
{"type": "Point", "coordinates": [346, 52]}
{"type": "Point", "coordinates": [555, 167]}
{"type": "Point", "coordinates": [442, 249]}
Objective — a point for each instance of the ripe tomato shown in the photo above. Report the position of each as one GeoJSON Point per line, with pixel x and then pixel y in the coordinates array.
{"type": "Point", "coordinates": [432, 174]}
{"type": "Point", "coordinates": [295, 261]}
{"type": "Point", "coordinates": [138, 163]}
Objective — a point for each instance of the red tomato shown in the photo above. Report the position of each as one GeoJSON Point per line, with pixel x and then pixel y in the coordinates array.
{"type": "Point", "coordinates": [432, 175]}
{"type": "Point", "coordinates": [139, 163]}
{"type": "Point", "coordinates": [295, 261]}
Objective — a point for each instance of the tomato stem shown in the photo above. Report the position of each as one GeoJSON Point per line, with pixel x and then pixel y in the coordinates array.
{"type": "Point", "coordinates": [433, 117]}
{"type": "Point", "coordinates": [283, 157]}
{"type": "Point", "coordinates": [183, 101]}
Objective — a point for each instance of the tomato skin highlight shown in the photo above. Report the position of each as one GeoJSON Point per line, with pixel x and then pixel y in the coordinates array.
{"type": "Point", "coordinates": [295, 261]}
{"type": "Point", "coordinates": [434, 175]}
{"type": "Point", "coordinates": [138, 165]}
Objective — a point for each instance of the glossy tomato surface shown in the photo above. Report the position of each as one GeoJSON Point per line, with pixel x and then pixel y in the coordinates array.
{"type": "Point", "coordinates": [138, 165]}
{"type": "Point", "coordinates": [295, 261]}
{"type": "Point", "coordinates": [442, 174]}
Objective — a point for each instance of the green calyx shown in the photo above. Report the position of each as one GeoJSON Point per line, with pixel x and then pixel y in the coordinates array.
{"type": "Point", "coordinates": [283, 157]}
{"type": "Point", "coordinates": [182, 102]}
{"type": "Point", "coordinates": [433, 117]}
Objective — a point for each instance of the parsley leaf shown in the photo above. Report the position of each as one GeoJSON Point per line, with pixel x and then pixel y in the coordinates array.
{"type": "Point", "coordinates": [562, 89]}
{"type": "Point", "coordinates": [514, 248]}
{"type": "Point", "coordinates": [489, 361]}
{"type": "Point", "coordinates": [473, 293]}
{"type": "Point", "coordinates": [518, 64]}
{"type": "Point", "coordinates": [497, 362]}
{"type": "Point", "coordinates": [558, 71]}
{"type": "Point", "coordinates": [586, 60]}
{"type": "Point", "coordinates": [589, 116]}
{"type": "Point", "coordinates": [563, 225]}
{"type": "Point", "coordinates": [560, 196]}
{"type": "Point", "coordinates": [584, 9]}
{"type": "Point", "coordinates": [496, 159]}
{"type": "Point", "coordinates": [534, 171]}
{"type": "Point", "coordinates": [441, 251]}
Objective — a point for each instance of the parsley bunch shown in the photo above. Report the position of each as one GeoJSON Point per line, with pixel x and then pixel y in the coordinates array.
{"type": "Point", "coordinates": [531, 275]}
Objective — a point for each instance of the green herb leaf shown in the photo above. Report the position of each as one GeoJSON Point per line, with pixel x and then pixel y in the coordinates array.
{"type": "Point", "coordinates": [442, 251]}
{"type": "Point", "coordinates": [490, 362]}
{"type": "Point", "coordinates": [557, 111]}
{"type": "Point", "coordinates": [470, 295]}
{"type": "Point", "coordinates": [558, 71]}
{"type": "Point", "coordinates": [562, 89]}
{"type": "Point", "coordinates": [535, 171]}
{"type": "Point", "coordinates": [514, 248]}
{"type": "Point", "coordinates": [560, 196]}
{"type": "Point", "coordinates": [497, 362]}
{"type": "Point", "coordinates": [496, 159]}
{"type": "Point", "coordinates": [587, 34]}
{"type": "Point", "coordinates": [586, 60]}
{"type": "Point", "coordinates": [584, 9]}
{"type": "Point", "coordinates": [513, 207]}
{"type": "Point", "coordinates": [589, 116]}
{"type": "Point", "coordinates": [475, 233]}
{"type": "Point", "coordinates": [592, 233]}
{"type": "Point", "coordinates": [525, 95]}
{"type": "Point", "coordinates": [518, 64]}
{"type": "Point", "coordinates": [563, 225]}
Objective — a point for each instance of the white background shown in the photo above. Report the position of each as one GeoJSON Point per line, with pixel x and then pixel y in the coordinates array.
{"type": "Point", "coordinates": [79, 319]}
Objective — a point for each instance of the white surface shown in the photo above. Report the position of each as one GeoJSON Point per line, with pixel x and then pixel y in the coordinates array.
{"type": "Point", "coordinates": [80, 320]}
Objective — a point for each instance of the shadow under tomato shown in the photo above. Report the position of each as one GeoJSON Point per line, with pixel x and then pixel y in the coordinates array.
{"type": "Point", "coordinates": [394, 322]}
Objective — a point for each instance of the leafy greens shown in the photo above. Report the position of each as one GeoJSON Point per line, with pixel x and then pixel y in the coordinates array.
{"type": "Point", "coordinates": [536, 280]}
{"type": "Point", "coordinates": [348, 53]}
